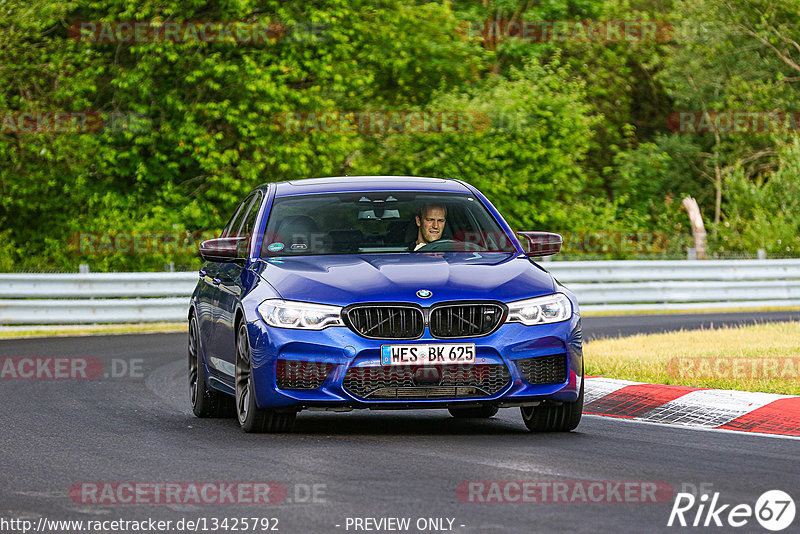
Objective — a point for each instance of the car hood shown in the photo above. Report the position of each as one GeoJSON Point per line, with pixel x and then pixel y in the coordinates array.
{"type": "Point", "coordinates": [346, 279]}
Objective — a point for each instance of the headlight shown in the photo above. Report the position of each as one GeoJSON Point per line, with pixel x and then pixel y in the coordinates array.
{"type": "Point", "coordinates": [540, 310]}
{"type": "Point", "coordinates": [289, 314]}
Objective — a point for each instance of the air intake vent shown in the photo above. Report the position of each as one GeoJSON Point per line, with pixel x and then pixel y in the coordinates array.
{"type": "Point", "coordinates": [297, 374]}
{"type": "Point", "coordinates": [544, 369]}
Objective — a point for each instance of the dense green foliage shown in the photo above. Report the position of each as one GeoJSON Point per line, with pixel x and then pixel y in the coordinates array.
{"type": "Point", "coordinates": [578, 138]}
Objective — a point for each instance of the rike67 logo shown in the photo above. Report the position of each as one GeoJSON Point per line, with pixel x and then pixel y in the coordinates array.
{"type": "Point", "coordinates": [774, 510]}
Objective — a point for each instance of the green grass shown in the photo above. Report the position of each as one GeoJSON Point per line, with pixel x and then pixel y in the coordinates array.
{"type": "Point", "coordinates": [764, 357]}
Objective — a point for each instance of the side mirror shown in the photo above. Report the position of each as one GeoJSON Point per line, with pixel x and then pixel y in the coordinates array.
{"type": "Point", "coordinates": [224, 249]}
{"type": "Point", "coordinates": [542, 243]}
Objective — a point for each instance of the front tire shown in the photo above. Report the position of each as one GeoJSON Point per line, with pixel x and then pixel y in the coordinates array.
{"type": "Point", "coordinates": [251, 417]}
{"type": "Point", "coordinates": [477, 412]}
{"type": "Point", "coordinates": [549, 418]}
{"type": "Point", "coordinates": [206, 402]}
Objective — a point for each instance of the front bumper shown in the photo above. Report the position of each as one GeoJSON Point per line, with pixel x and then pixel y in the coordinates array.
{"type": "Point", "coordinates": [336, 351]}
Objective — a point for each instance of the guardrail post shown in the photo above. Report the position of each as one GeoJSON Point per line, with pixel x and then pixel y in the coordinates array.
{"type": "Point", "coordinates": [691, 254]}
{"type": "Point", "coordinates": [762, 254]}
{"type": "Point", "coordinates": [83, 268]}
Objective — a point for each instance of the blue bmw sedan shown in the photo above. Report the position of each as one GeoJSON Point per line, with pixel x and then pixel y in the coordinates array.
{"type": "Point", "coordinates": [380, 292]}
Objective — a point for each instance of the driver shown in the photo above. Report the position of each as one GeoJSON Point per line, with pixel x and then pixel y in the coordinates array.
{"type": "Point", "coordinates": [430, 220]}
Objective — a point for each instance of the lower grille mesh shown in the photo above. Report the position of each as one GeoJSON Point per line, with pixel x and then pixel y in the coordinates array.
{"type": "Point", "coordinates": [416, 382]}
{"type": "Point", "coordinates": [544, 369]}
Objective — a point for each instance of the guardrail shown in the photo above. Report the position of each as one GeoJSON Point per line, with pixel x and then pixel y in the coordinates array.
{"type": "Point", "coordinates": [85, 298]}
{"type": "Point", "coordinates": [680, 285]}
{"type": "Point", "coordinates": [600, 285]}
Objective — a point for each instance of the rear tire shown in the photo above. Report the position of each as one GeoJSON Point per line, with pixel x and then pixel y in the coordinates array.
{"type": "Point", "coordinates": [251, 417]}
{"type": "Point", "coordinates": [206, 402]}
{"type": "Point", "coordinates": [549, 418]}
{"type": "Point", "coordinates": [476, 412]}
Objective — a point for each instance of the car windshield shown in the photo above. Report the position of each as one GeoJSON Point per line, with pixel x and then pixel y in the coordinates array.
{"type": "Point", "coordinates": [381, 222]}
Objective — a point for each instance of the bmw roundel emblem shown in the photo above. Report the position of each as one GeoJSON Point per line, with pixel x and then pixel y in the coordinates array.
{"type": "Point", "coordinates": [424, 294]}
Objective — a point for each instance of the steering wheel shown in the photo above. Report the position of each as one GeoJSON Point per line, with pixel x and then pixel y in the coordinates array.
{"type": "Point", "coordinates": [449, 245]}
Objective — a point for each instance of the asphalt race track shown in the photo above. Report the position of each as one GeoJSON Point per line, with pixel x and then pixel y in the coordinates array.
{"type": "Point", "coordinates": [135, 425]}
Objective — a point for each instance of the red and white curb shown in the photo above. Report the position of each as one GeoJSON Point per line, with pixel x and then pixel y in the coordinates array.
{"type": "Point", "coordinates": [745, 411]}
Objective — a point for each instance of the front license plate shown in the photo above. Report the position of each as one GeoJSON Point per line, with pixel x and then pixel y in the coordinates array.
{"type": "Point", "coordinates": [440, 353]}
